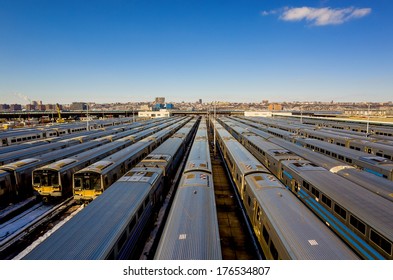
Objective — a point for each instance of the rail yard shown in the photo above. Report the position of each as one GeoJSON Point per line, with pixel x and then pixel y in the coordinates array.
{"type": "Point", "coordinates": [197, 187]}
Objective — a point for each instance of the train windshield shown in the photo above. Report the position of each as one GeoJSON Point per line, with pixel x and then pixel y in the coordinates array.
{"type": "Point", "coordinates": [87, 181]}
{"type": "Point", "coordinates": [45, 178]}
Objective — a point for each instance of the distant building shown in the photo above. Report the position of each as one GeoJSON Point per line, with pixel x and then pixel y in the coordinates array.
{"type": "Point", "coordinates": [257, 113]}
{"type": "Point", "coordinates": [4, 107]}
{"type": "Point", "coordinates": [16, 107]}
{"type": "Point", "coordinates": [158, 106]}
{"type": "Point", "coordinates": [169, 106]}
{"type": "Point", "coordinates": [200, 101]}
{"type": "Point", "coordinates": [154, 114]}
{"type": "Point", "coordinates": [78, 106]}
{"type": "Point", "coordinates": [160, 100]}
{"type": "Point", "coordinates": [275, 107]}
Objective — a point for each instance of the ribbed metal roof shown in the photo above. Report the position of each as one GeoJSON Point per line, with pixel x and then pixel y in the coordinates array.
{"type": "Point", "coordinates": [92, 233]}
{"type": "Point", "coordinates": [191, 232]}
{"type": "Point", "coordinates": [367, 206]}
{"type": "Point", "coordinates": [300, 231]}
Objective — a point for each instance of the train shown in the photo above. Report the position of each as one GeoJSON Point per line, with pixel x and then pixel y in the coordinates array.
{"type": "Point", "coordinates": [20, 172]}
{"type": "Point", "coordinates": [376, 184]}
{"type": "Point", "coordinates": [113, 225]}
{"type": "Point", "coordinates": [55, 179]}
{"type": "Point", "coordinates": [93, 180]}
{"type": "Point", "coordinates": [284, 227]}
{"type": "Point", "coordinates": [17, 136]}
{"type": "Point", "coordinates": [375, 128]}
{"type": "Point", "coordinates": [191, 231]}
{"type": "Point", "coordinates": [369, 156]}
{"type": "Point", "coordinates": [360, 217]}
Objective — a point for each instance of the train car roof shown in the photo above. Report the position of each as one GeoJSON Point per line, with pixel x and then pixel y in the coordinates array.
{"type": "Point", "coordinates": [105, 218]}
{"type": "Point", "coordinates": [303, 234]}
{"type": "Point", "coordinates": [191, 232]}
{"type": "Point", "coordinates": [366, 205]}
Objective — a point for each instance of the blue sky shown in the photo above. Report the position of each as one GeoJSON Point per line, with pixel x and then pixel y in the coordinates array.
{"type": "Point", "coordinates": [241, 51]}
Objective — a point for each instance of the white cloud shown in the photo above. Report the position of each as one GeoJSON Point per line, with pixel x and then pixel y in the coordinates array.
{"type": "Point", "coordinates": [320, 16]}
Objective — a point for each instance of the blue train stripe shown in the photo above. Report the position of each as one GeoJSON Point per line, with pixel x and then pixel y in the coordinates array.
{"type": "Point", "coordinates": [335, 223]}
{"type": "Point", "coordinates": [287, 174]}
{"type": "Point", "coordinates": [373, 172]}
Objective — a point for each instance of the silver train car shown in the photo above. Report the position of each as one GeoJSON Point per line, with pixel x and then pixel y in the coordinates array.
{"type": "Point", "coordinates": [55, 179]}
{"type": "Point", "coordinates": [380, 166]}
{"type": "Point", "coordinates": [191, 231]}
{"type": "Point", "coordinates": [113, 225]}
{"type": "Point", "coordinates": [360, 177]}
{"type": "Point", "coordinates": [376, 165]}
{"type": "Point", "coordinates": [17, 136]}
{"type": "Point", "coordinates": [360, 217]}
{"type": "Point", "coordinates": [21, 171]}
{"type": "Point", "coordinates": [92, 181]}
{"type": "Point", "coordinates": [284, 226]}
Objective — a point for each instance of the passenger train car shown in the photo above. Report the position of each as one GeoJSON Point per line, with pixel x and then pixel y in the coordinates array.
{"type": "Point", "coordinates": [112, 226]}
{"type": "Point", "coordinates": [92, 181]}
{"type": "Point", "coordinates": [17, 136]}
{"type": "Point", "coordinates": [380, 166]}
{"type": "Point", "coordinates": [191, 231]}
{"type": "Point", "coordinates": [367, 180]}
{"type": "Point", "coordinates": [360, 143]}
{"type": "Point", "coordinates": [285, 228]}
{"type": "Point", "coordinates": [21, 171]}
{"type": "Point", "coordinates": [55, 179]}
{"type": "Point", "coordinates": [360, 217]}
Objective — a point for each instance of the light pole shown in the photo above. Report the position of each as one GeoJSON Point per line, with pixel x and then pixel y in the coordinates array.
{"type": "Point", "coordinates": [214, 126]}
{"type": "Point", "coordinates": [87, 117]}
{"type": "Point", "coordinates": [301, 114]}
{"type": "Point", "coordinates": [368, 119]}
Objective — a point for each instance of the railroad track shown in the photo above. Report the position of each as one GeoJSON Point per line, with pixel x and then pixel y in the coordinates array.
{"type": "Point", "coordinates": [21, 230]}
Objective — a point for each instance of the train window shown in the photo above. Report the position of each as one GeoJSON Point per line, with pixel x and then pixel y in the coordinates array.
{"type": "Point", "coordinates": [340, 157]}
{"type": "Point", "coordinates": [122, 240]}
{"type": "Point", "coordinates": [348, 160]}
{"type": "Point", "coordinates": [315, 192]}
{"type": "Point", "coordinates": [273, 251]}
{"type": "Point", "coordinates": [306, 185]}
{"type": "Point", "coordinates": [265, 235]}
{"type": "Point", "coordinates": [357, 149]}
{"type": "Point", "coordinates": [381, 242]}
{"type": "Point", "coordinates": [352, 147]}
{"type": "Point", "coordinates": [357, 224]}
{"type": "Point", "coordinates": [387, 156]}
{"type": "Point", "coordinates": [379, 154]}
{"type": "Point", "coordinates": [326, 201]}
{"type": "Point", "coordinates": [328, 153]}
{"type": "Point", "coordinates": [111, 255]}
{"type": "Point", "coordinates": [249, 201]}
{"type": "Point", "coordinates": [140, 211]}
{"type": "Point", "coordinates": [340, 211]}
{"type": "Point", "coordinates": [322, 151]}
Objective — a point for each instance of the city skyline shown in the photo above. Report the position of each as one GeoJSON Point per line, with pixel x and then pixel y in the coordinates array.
{"type": "Point", "coordinates": [133, 51]}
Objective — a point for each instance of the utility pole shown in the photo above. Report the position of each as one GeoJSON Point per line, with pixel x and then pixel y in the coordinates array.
{"type": "Point", "coordinates": [368, 119]}
{"type": "Point", "coordinates": [301, 114]}
{"type": "Point", "coordinates": [87, 117]}
{"type": "Point", "coordinates": [214, 126]}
